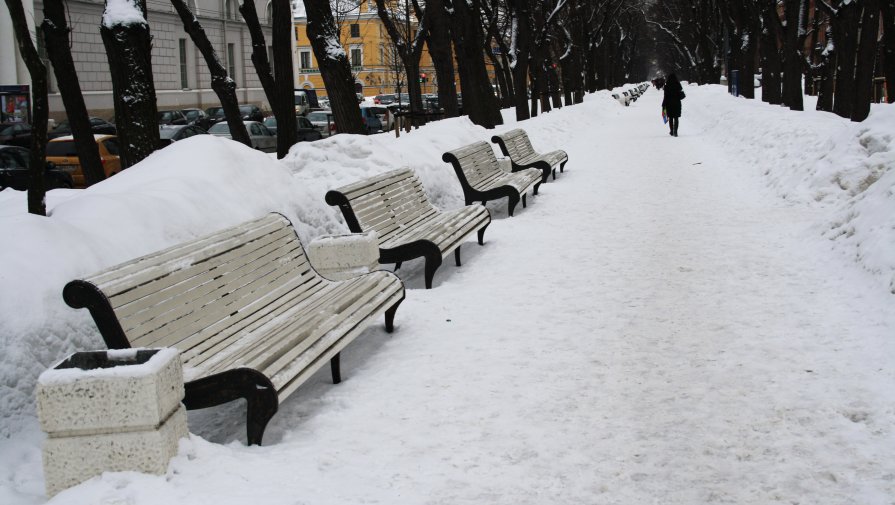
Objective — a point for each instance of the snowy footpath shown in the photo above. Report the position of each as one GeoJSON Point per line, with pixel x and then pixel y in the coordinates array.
{"type": "Point", "coordinates": [658, 326]}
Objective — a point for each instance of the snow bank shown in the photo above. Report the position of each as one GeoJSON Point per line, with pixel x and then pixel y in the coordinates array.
{"type": "Point", "coordinates": [818, 159]}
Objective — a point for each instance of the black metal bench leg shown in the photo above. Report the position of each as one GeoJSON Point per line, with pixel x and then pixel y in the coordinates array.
{"type": "Point", "coordinates": [397, 265]}
{"type": "Point", "coordinates": [561, 165]}
{"type": "Point", "coordinates": [482, 234]}
{"type": "Point", "coordinates": [259, 393]}
{"type": "Point", "coordinates": [457, 256]}
{"type": "Point", "coordinates": [554, 174]}
{"type": "Point", "coordinates": [336, 368]}
{"type": "Point", "coordinates": [390, 316]}
{"type": "Point", "coordinates": [524, 204]}
{"type": "Point", "coordinates": [514, 199]}
{"type": "Point", "coordinates": [433, 261]}
{"type": "Point", "coordinates": [536, 188]}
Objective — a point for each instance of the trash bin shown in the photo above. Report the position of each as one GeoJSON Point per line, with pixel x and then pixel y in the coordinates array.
{"type": "Point", "coordinates": [116, 410]}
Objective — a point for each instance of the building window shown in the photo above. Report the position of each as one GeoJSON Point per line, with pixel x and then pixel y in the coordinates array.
{"type": "Point", "coordinates": [357, 57]}
{"type": "Point", "coordinates": [184, 80]}
{"type": "Point", "coordinates": [231, 60]}
{"type": "Point", "coordinates": [355, 30]}
{"type": "Point", "coordinates": [304, 58]}
{"type": "Point", "coordinates": [270, 12]}
{"type": "Point", "coordinates": [231, 11]}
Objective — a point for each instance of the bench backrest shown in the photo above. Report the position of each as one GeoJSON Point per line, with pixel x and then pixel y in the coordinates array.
{"type": "Point", "coordinates": [474, 163]}
{"type": "Point", "coordinates": [516, 144]}
{"type": "Point", "coordinates": [201, 293]}
{"type": "Point", "coordinates": [386, 203]}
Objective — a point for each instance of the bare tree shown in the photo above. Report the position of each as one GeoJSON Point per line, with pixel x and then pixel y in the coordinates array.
{"type": "Point", "coordinates": [466, 33]}
{"type": "Point", "coordinates": [222, 84]}
{"type": "Point", "coordinates": [334, 66]}
{"type": "Point", "coordinates": [438, 41]}
{"type": "Point", "coordinates": [408, 39]}
{"type": "Point", "coordinates": [279, 97]}
{"type": "Point", "coordinates": [56, 35]}
{"type": "Point", "coordinates": [125, 34]}
{"type": "Point", "coordinates": [40, 113]}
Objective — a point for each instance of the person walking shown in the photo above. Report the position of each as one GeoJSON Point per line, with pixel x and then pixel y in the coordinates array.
{"type": "Point", "coordinates": [671, 103]}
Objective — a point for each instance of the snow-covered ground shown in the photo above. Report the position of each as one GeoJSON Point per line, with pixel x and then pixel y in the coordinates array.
{"type": "Point", "coordinates": [701, 319]}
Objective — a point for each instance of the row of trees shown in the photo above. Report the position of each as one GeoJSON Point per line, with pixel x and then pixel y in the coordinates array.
{"type": "Point", "coordinates": [835, 46]}
{"type": "Point", "coordinates": [544, 54]}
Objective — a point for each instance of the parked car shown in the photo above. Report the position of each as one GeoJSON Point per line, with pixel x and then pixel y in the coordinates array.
{"type": "Point", "coordinates": [387, 99]}
{"type": "Point", "coordinates": [64, 154]}
{"type": "Point", "coordinates": [370, 118]}
{"type": "Point", "coordinates": [251, 113]}
{"type": "Point", "coordinates": [305, 129]}
{"type": "Point", "coordinates": [168, 134]}
{"type": "Point", "coordinates": [215, 115]}
{"type": "Point", "coordinates": [98, 125]}
{"type": "Point", "coordinates": [15, 162]}
{"type": "Point", "coordinates": [271, 123]}
{"type": "Point", "coordinates": [307, 132]}
{"type": "Point", "coordinates": [15, 134]}
{"type": "Point", "coordinates": [385, 115]}
{"type": "Point", "coordinates": [261, 138]}
{"type": "Point", "coordinates": [323, 122]}
{"type": "Point", "coordinates": [197, 117]}
{"type": "Point", "coordinates": [171, 117]}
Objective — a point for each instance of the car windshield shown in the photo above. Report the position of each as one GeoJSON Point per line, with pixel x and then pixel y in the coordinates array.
{"type": "Point", "coordinates": [219, 128]}
{"type": "Point", "coordinates": [6, 130]}
{"type": "Point", "coordinates": [167, 133]}
{"type": "Point", "coordinates": [317, 116]}
{"type": "Point", "coordinates": [62, 125]}
{"type": "Point", "coordinates": [386, 99]}
{"type": "Point", "coordinates": [165, 115]}
{"type": "Point", "coordinates": [271, 121]}
{"type": "Point", "coordinates": [246, 109]}
{"type": "Point", "coordinates": [63, 148]}
{"type": "Point", "coordinates": [192, 114]}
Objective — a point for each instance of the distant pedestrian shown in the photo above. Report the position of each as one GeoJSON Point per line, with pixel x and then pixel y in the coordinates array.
{"type": "Point", "coordinates": [674, 93]}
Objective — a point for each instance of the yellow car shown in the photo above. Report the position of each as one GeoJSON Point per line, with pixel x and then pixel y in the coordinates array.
{"type": "Point", "coordinates": [63, 153]}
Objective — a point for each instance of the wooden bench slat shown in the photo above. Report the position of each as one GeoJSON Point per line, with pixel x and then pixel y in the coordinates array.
{"type": "Point", "coordinates": [154, 265]}
{"type": "Point", "coordinates": [238, 284]}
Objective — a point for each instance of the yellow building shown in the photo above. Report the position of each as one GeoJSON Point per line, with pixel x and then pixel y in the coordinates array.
{"type": "Point", "coordinates": [374, 63]}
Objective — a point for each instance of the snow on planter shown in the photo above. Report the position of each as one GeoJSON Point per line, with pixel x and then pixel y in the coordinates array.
{"type": "Point", "coordinates": [117, 410]}
{"type": "Point", "coordinates": [340, 257]}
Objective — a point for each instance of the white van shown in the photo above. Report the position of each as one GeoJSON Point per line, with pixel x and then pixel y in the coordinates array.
{"type": "Point", "coordinates": [301, 103]}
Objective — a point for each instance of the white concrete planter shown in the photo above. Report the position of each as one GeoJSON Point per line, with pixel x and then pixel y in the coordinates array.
{"type": "Point", "coordinates": [340, 257]}
{"type": "Point", "coordinates": [110, 411]}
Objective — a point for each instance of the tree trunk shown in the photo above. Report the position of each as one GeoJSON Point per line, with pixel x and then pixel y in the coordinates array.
{"type": "Point", "coordinates": [827, 72]}
{"type": "Point", "coordinates": [439, 43]}
{"type": "Point", "coordinates": [287, 132]}
{"type": "Point", "coordinates": [792, 56]}
{"type": "Point", "coordinates": [555, 88]}
{"type": "Point", "coordinates": [39, 112]}
{"type": "Point", "coordinates": [334, 66]}
{"type": "Point", "coordinates": [129, 50]}
{"type": "Point", "coordinates": [223, 86]}
{"type": "Point", "coordinates": [519, 9]}
{"type": "Point", "coordinates": [56, 32]}
{"type": "Point", "coordinates": [409, 51]}
{"type": "Point", "coordinates": [284, 96]}
{"type": "Point", "coordinates": [771, 64]}
{"type": "Point", "coordinates": [845, 33]}
{"type": "Point", "coordinates": [866, 59]}
{"type": "Point", "coordinates": [888, 12]}
{"type": "Point", "coordinates": [478, 96]}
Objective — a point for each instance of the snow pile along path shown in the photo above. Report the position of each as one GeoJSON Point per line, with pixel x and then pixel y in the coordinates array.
{"type": "Point", "coordinates": [656, 327]}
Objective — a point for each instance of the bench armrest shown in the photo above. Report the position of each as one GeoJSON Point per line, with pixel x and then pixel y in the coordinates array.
{"type": "Point", "coordinates": [340, 257]}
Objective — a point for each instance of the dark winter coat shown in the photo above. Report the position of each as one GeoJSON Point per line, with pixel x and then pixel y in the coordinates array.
{"type": "Point", "coordinates": [672, 100]}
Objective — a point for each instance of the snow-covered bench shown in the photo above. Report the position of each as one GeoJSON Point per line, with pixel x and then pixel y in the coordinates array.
{"type": "Point", "coordinates": [482, 178]}
{"type": "Point", "coordinates": [250, 316]}
{"type": "Point", "coordinates": [395, 206]}
{"type": "Point", "coordinates": [516, 145]}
